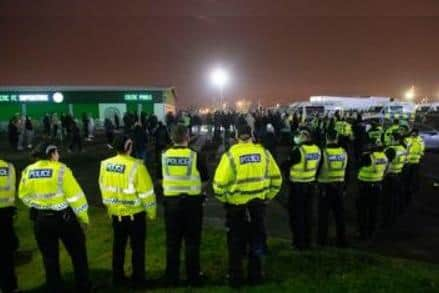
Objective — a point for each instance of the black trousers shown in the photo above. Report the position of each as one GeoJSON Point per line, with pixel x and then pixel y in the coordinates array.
{"type": "Point", "coordinates": [411, 182]}
{"type": "Point", "coordinates": [331, 199]}
{"type": "Point", "coordinates": [367, 205]}
{"type": "Point", "coordinates": [300, 202]}
{"type": "Point", "coordinates": [49, 228]}
{"type": "Point", "coordinates": [183, 219]}
{"type": "Point", "coordinates": [134, 229]}
{"type": "Point", "coordinates": [246, 236]}
{"type": "Point", "coordinates": [8, 279]}
{"type": "Point", "coordinates": [391, 200]}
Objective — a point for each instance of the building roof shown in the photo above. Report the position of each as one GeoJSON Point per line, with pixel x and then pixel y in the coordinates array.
{"type": "Point", "coordinates": [81, 88]}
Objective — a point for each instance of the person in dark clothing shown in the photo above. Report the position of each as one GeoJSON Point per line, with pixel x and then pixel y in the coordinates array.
{"type": "Point", "coordinates": [140, 140]}
{"type": "Point", "coordinates": [13, 133]}
{"type": "Point", "coordinates": [85, 122]}
{"type": "Point", "coordinates": [116, 121]}
{"type": "Point", "coordinates": [109, 132]}
{"type": "Point", "coordinates": [269, 141]}
{"type": "Point", "coordinates": [183, 205]}
{"type": "Point", "coordinates": [76, 142]}
{"type": "Point", "coordinates": [162, 141]}
{"type": "Point", "coordinates": [46, 124]}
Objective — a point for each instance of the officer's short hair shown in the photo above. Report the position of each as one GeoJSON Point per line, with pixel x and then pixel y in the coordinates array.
{"type": "Point", "coordinates": [332, 135]}
{"type": "Point", "coordinates": [122, 143]}
{"type": "Point", "coordinates": [179, 133]}
{"type": "Point", "coordinates": [44, 150]}
{"type": "Point", "coordinates": [244, 131]}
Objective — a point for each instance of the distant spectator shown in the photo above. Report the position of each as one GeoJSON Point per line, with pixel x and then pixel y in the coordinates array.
{"type": "Point", "coordinates": [269, 140]}
{"type": "Point", "coordinates": [140, 140]}
{"type": "Point", "coordinates": [46, 124]}
{"type": "Point", "coordinates": [13, 132]}
{"type": "Point", "coordinates": [116, 121]}
{"type": "Point", "coordinates": [85, 122]}
{"type": "Point", "coordinates": [76, 142]}
{"type": "Point", "coordinates": [29, 132]}
{"type": "Point", "coordinates": [109, 132]}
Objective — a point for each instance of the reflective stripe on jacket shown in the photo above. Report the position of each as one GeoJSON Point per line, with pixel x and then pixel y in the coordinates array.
{"type": "Point", "coordinates": [180, 173]}
{"type": "Point", "coordinates": [126, 187]}
{"type": "Point", "coordinates": [50, 185]}
{"type": "Point", "coordinates": [7, 184]}
{"type": "Point", "coordinates": [246, 172]}
{"type": "Point", "coordinates": [306, 170]}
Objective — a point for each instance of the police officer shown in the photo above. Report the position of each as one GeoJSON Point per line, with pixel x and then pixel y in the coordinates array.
{"type": "Point", "coordinates": [183, 171]}
{"type": "Point", "coordinates": [127, 192]}
{"type": "Point", "coordinates": [57, 205]}
{"type": "Point", "coordinates": [246, 177]}
{"type": "Point", "coordinates": [415, 151]}
{"type": "Point", "coordinates": [302, 165]}
{"type": "Point", "coordinates": [392, 195]}
{"type": "Point", "coordinates": [372, 167]}
{"type": "Point", "coordinates": [388, 133]}
{"type": "Point", "coordinates": [375, 133]}
{"type": "Point", "coordinates": [331, 177]}
{"type": "Point", "coordinates": [8, 280]}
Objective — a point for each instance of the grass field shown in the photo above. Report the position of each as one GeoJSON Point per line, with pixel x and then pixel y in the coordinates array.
{"type": "Point", "coordinates": [327, 270]}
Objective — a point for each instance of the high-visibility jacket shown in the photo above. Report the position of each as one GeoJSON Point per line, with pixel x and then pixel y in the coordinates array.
{"type": "Point", "coordinates": [126, 187]}
{"type": "Point", "coordinates": [388, 134]}
{"type": "Point", "coordinates": [50, 185]}
{"type": "Point", "coordinates": [180, 173]}
{"type": "Point", "coordinates": [7, 184]}
{"type": "Point", "coordinates": [415, 149]}
{"type": "Point", "coordinates": [246, 172]}
{"type": "Point", "coordinates": [376, 134]}
{"type": "Point", "coordinates": [374, 172]}
{"type": "Point", "coordinates": [344, 128]}
{"type": "Point", "coordinates": [306, 170]}
{"type": "Point", "coordinates": [397, 164]}
{"type": "Point", "coordinates": [334, 165]}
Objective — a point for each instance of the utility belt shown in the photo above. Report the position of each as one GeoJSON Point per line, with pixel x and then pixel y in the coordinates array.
{"type": "Point", "coordinates": [67, 214]}
{"type": "Point", "coordinates": [127, 218]}
{"type": "Point", "coordinates": [184, 197]}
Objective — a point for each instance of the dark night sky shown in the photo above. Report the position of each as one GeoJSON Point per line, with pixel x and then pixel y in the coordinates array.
{"type": "Point", "coordinates": [277, 52]}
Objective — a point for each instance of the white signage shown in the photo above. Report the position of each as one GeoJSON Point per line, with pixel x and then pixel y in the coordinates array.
{"type": "Point", "coordinates": [33, 98]}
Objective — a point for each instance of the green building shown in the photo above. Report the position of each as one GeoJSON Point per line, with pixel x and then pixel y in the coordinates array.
{"type": "Point", "coordinates": [100, 102]}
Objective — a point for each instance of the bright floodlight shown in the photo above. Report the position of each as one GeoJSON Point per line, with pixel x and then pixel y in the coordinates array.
{"type": "Point", "coordinates": [58, 97]}
{"type": "Point", "coordinates": [219, 77]}
{"type": "Point", "coordinates": [410, 94]}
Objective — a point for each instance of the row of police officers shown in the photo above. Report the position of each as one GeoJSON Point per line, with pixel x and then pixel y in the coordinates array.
{"type": "Point", "coordinates": [246, 178]}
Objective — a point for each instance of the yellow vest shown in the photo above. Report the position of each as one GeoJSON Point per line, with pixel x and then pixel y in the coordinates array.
{"type": "Point", "coordinates": [397, 164]}
{"type": "Point", "coordinates": [306, 170]}
{"type": "Point", "coordinates": [334, 165]}
{"type": "Point", "coordinates": [50, 185]}
{"type": "Point", "coordinates": [126, 187]}
{"type": "Point", "coordinates": [415, 149]}
{"type": "Point", "coordinates": [7, 184]}
{"type": "Point", "coordinates": [374, 172]}
{"type": "Point", "coordinates": [246, 172]}
{"type": "Point", "coordinates": [180, 173]}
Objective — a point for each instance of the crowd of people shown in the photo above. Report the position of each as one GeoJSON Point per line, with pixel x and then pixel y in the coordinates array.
{"type": "Point", "coordinates": [326, 154]}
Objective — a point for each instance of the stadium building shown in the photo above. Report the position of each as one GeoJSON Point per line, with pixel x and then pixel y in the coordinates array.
{"type": "Point", "coordinates": [100, 102]}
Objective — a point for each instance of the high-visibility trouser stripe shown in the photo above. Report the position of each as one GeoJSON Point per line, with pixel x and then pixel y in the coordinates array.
{"type": "Point", "coordinates": [146, 194]}
{"type": "Point", "coordinates": [7, 200]}
{"type": "Point", "coordinates": [135, 202]}
{"type": "Point", "coordinates": [182, 188]}
{"type": "Point", "coordinates": [75, 197]}
{"type": "Point", "coordinates": [118, 189]}
{"type": "Point", "coordinates": [181, 178]}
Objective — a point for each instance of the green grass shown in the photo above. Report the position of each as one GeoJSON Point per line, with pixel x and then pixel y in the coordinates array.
{"type": "Point", "coordinates": [327, 270]}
